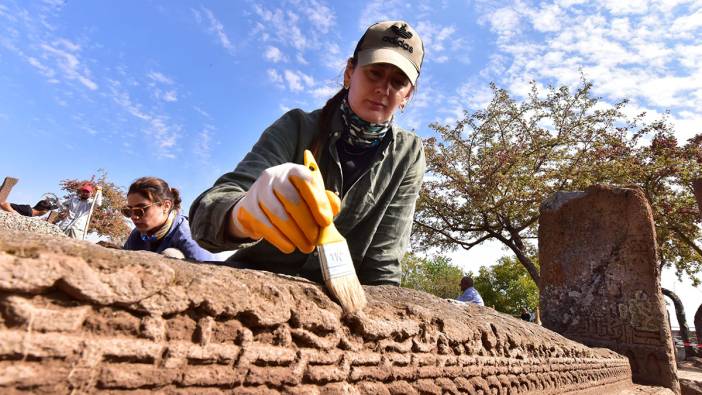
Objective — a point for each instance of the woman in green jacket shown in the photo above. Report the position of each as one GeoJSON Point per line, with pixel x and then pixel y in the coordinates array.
{"type": "Point", "coordinates": [269, 209]}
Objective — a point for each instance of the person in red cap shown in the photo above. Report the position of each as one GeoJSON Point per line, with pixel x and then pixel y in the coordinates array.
{"type": "Point", "coordinates": [77, 210]}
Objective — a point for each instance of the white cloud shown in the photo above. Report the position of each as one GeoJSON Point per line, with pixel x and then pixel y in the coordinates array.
{"type": "Point", "coordinates": [293, 80]}
{"type": "Point", "coordinates": [159, 77]}
{"type": "Point", "coordinates": [332, 58]}
{"type": "Point", "coordinates": [203, 144]}
{"type": "Point", "coordinates": [46, 71]}
{"type": "Point", "coordinates": [65, 54]}
{"type": "Point", "coordinates": [300, 57]}
{"type": "Point", "coordinates": [442, 43]}
{"type": "Point", "coordinates": [325, 92]}
{"type": "Point", "coordinates": [273, 54]}
{"type": "Point", "coordinates": [649, 52]}
{"type": "Point", "coordinates": [275, 77]}
{"type": "Point", "coordinates": [441, 59]}
{"type": "Point", "coordinates": [297, 80]}
{"type": "Point", "coordinates": [216, 27]}
{"type": "Point", "coordinates": [202, 112]}
{"type": "Point", "coordinates": [376, 11]}
{"type": "Point", "coordinates": [626, 7]}
{"type": "Point", "coordinates": [170, 96]}
{"type": "Point", "coordinates": [687, 24]}
{"type": "Point", "coordinates": [434, 36]}
{"type": "Point", "coordinates": [309, 81]}
{"type": "Point", "coordinates": [294, 34]}
{"type": "Point", "coordinates": [54, 3]}
{"type": "Point", "coordinates": [162, 133]}
{"type": "Point", "coordinates": [546, 19]}
{"type": "Point", "coordinates": [197, 15]}
{"type": "Point", "coordinates": [505, 21]}
{"type": "Point", "coordinates": [319, 15]}
{"type": "Point", "coordinates": [283, 26]}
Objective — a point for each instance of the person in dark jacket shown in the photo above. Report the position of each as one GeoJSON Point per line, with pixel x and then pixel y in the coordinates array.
{"type": "Point", "coordinates": [42, 207]}
{"type": "Point", "coordinates": [154, 208]}
{"type": "Point", "coordinates": [268, 208]}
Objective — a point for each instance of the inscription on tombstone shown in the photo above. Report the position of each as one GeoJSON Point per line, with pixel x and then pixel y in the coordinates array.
{"type": "Point", "coordinates": [600, 278]}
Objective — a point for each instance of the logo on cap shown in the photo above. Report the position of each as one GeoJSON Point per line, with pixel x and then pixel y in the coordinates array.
{"type": "Point", "coordinates": [401, 31]}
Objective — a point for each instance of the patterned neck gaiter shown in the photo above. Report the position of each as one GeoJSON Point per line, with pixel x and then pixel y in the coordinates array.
{"type": "Point", "coordinates": [359, 132]}
{"type": "Point", "coordinates": [163, 231]}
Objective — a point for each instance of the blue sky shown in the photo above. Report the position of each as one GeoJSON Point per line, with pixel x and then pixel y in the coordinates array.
{"type": "Point", "coordinates": [182, 89]}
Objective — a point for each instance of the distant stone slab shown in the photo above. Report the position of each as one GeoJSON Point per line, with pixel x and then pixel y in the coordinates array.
{"type": "Point", "coordinates": [599, 278]}
{"type": "Point", "coordinates": [79, 318]}
{"type": "Point", "coordinates": [6, 188]}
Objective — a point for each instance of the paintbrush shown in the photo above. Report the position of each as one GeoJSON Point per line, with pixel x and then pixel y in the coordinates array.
{"type": "Point", "coordinates": [338, 271]}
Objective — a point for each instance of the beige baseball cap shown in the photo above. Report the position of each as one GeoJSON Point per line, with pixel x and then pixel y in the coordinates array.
{"type": "Point", "coordinates": [394, 42]}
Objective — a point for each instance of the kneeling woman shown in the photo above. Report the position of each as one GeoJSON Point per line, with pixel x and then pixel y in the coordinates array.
{"type": "Point", "coordinates": [154, 208]}
{"type": "Point", "coordinates": [374, 166]}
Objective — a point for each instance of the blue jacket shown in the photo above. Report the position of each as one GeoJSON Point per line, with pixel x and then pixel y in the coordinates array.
{"type": "Point", "coordinates": [178, 237]}
{"type": "Point", "coordinates": [471, 295]}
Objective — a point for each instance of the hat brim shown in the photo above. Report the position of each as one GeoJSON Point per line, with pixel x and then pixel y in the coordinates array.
{"type": "Point", "coordinates": [385, 55]}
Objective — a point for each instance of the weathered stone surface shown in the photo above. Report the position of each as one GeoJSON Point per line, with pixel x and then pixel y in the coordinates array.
{"type": "Point", "coordinates": [137, 322]}
{"type": "Point", "coordinates": [599, 278]}
{"type": "Point", "coordinates": [690, 387]}
{"type": "Point", "coordinates": [13, 221]}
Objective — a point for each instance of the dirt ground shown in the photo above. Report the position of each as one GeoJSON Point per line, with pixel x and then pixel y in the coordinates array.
{"type": "Point", "coordinates": [690, 371]}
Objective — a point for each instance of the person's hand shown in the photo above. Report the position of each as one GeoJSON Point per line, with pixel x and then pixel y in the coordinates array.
{"type": "Point", "coordinates": [286, 205]}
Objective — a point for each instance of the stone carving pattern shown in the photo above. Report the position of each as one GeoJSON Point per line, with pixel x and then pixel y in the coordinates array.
{"type": "Point", "coordinates": [599, 278]}
{"type": "Point", "coordinates": [115, 322]}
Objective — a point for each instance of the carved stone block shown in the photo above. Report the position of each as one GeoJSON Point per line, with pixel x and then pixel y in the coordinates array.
{"type": "Point", "coordinates": [600, 278]}
{"type": "Point", "coordinates": [136, 322]}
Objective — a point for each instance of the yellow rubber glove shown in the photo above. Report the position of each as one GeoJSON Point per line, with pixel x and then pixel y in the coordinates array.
{"type": "Point", "coordinates": [286, 205]}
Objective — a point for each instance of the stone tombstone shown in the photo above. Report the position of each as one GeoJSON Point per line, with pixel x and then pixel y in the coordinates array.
{"type": "Point", "coordinates": [6, 188]}
{"type": "Point", "coordinates": [600, 278]}
{"type": "Point", "coordinates": [697, 187]}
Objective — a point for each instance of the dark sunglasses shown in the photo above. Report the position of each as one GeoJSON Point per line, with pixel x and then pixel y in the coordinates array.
{"type": "Point", "coordinates": [136, 211]}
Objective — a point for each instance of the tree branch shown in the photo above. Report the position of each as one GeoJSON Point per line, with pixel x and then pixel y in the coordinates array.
{"type": "Point", "coordinates": [528, 264]}
{"type": "Point", "coordinates": [687, 240]}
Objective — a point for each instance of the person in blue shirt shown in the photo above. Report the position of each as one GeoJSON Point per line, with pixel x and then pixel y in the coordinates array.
{"type": "Point", "coordinates": [154, 207]}
{"type": "Point", "coordinates": [470, 294]}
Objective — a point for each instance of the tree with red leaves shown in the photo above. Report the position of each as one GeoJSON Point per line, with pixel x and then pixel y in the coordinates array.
{"type": "Point", "coordinates": [106, 219]}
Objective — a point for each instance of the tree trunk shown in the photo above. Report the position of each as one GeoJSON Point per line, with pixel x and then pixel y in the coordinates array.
{"type": "Point", "coordinates": [682, 322]}
{"type": "Point", "coordinates": [523, 259]}
{"type": "Point", "coordinates": [697, 187]}
{"type": "Point", "coordinates": [698, 327]}
{"type": "Point", "coordinates": [529, 265]}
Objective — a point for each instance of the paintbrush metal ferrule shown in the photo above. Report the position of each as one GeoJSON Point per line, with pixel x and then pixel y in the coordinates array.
{"type": "Point", "coordinates": [336, 260]}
